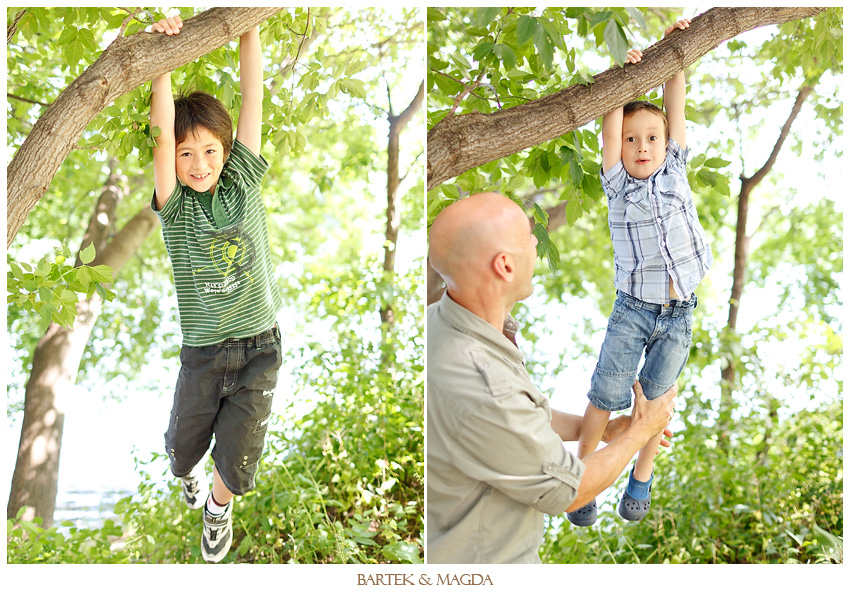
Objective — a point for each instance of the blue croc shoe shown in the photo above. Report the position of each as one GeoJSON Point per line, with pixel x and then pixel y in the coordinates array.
{"type": "Point", "coordinates": [634, 504]}
{"type": "Point", "coordinates": [585, 516]}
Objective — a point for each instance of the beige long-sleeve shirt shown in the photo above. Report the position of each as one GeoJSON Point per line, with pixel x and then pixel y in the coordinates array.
{"type": "Point", "coordinates": [495, 465]}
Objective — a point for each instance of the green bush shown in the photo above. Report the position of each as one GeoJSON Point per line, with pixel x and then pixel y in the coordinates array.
{"type": "Point", "coordinates": [342, 484]}
{"type": "Point", "coordinates": [28, 542]}
{"type": "Point", "coordinates": [776, 496]}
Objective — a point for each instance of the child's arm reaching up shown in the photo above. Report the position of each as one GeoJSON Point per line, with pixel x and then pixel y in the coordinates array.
{"type": "Point", "coordinates": [249, 127]}
{"type": "Point", "coordinates": [674, 97]}
{"type": "Point", "coordinates": [612, 127]}
{"type": "Point", "coordinates": [162, 116]}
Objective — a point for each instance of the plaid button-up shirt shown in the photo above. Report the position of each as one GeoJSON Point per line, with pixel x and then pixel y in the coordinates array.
{"type": "Point", "coordinates": [655, 230]}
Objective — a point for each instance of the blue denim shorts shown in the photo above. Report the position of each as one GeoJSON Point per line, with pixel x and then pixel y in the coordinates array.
{"type": "Point", "coordinates": [663, 332]}
{"type": "Point", "coordinates": [224, 391]}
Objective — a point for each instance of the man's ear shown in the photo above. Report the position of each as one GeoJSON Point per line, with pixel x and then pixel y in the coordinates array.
{"type": "Point", "coordinates": [503, 266]}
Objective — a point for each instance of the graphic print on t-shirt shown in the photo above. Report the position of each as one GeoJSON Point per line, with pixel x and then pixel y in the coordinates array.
{"type": "Point", "coordinates": [231, 253]}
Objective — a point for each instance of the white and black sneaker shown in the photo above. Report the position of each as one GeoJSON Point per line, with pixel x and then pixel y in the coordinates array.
{"type": "Point", "coordinates": [195, 487]}
{"type": "Point", "coordinates": [217, 535]}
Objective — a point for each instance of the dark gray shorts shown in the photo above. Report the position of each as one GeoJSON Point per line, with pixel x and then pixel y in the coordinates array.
{"type": "Point", "coordinates": [224, 390]}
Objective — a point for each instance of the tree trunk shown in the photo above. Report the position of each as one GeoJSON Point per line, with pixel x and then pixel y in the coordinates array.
{"type": "Point", "coordinates": [397, 124]}
{"type": "Point", "coordinates": [127, 63]}
{"type": "Point", "coordinates": [461, 142]}
{"type": "Point", "coordinates": [742, 245]}
{"type": "Point", "coordinates": [56, 362]}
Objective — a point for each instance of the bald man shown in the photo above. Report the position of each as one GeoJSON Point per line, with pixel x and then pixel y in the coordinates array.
{"type": "Point", "coordinates": [496, 459]}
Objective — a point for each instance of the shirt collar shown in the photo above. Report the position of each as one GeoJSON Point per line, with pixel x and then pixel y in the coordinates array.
{"type": "Point", "coordinates": [474, 326]}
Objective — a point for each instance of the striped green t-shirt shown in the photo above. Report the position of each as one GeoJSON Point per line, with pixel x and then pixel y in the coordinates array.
{"type": "Point", "coordinates": [220, 255]}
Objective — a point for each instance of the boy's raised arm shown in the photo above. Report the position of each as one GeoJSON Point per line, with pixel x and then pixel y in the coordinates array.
{"type": "Point", "coordinates": [674, 97]}
{"type": "Point", "coordinates": [612, 138]}
{"type": "Point", "coordinates": [612, 127]}
{"type": "Point", "coordinates": [249, 127]}
{"type": "Point", "coordinates": [162, 117]}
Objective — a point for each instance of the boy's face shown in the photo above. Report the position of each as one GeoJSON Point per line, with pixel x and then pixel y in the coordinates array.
{"type": "Point", "coordinates": [199, 159]}
{"type": "Point", "coordinates": [644, 143]}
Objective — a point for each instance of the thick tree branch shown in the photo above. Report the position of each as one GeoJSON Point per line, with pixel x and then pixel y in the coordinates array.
{"type": "Point", "coordinates": [461, 142]}
{"type": "Point", "coordinates": [127, 63]}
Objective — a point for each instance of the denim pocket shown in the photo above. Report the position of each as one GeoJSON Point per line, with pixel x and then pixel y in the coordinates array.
{"type": "Point", "coordinates": [619, 311]}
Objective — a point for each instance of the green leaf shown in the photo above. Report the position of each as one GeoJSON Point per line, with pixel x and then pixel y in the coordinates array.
{"type": "Point", "coordinates": [16, 270]}
{"type": "Point", "coordinates": [83, 276]}
{"type": "Point", "coordinates": [707, 177]}
{"type": "Point", "coordinates": [402, 551]}
{"type": "Point", "coordinates": [573, 210]}
{"type": "Point", "coordinates": [525, 29]}
{"type": "Point", "coordinates": [600, 17]}
{"type": "Point", "coordinates": [450, 190]}
{"type": "Point", "coordinates": [87, 254]}
{"type": "Point", "coordinates": [722, 185]}
{"type": "Point", "coordinates": [583, 78]}
{"type": "Point", "coordinates": [617, 42]}
{"type": "Point", "coordinates": [544, 47]}
{"type": "Point", "coordinates": [505, 54]}
{"type": "Point", "coordinates": [540, 216]}
{"type": "Point", "coordinates": [485, 16]}
{"type": "Point", "coordinates": [553, 257]}
{"type": "Point", "coordinates": [542, 240]}
{"type": "Point", "coordinates": [576, 172]}
{"type": "Point", "coordinates": [716, 162]}
{"type": "Point", "coordinates": [435, 15]}
{"type": "Point", "coordinates": [637, 16]}
{"type": "Point", "coordinates": [354, 87]}
{"type": "Point", "coordinates": [697, 161]}
{"type": "Point", "coordinates": [101, 274]}
{"type": "Point", "coordinates": [481, 50]}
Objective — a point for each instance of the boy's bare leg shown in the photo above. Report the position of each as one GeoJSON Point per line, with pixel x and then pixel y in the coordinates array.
{"type": "Point", "coordinates": [646, 457]}
{"type": "Point", "coordinates": [221, 493]}
{"type": "Point", "coordinates": [592, 428]}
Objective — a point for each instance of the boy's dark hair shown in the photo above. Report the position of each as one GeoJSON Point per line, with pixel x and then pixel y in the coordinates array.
{"type": "Point", "coordinates": [635, 106]}
{"type": "Point", "coordinates": [202, 109]}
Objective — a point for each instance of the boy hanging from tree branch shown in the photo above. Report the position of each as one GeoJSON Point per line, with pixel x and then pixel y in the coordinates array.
{"type": "Point", "coordinates": [207, 196]}
{"type": "Point", "coordinates": [660, 255]}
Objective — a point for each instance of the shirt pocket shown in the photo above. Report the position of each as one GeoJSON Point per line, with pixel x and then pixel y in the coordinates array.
{"type": "Point", "coordinates": [495, 373]}
{"type": "Point", "coordinates": [685, 236]}
{"type": "Point", "coordinates": [636, 203]}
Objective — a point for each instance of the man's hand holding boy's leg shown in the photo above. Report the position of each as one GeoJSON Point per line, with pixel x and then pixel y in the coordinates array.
{"type": "Point", "coordinates": [652, 416]}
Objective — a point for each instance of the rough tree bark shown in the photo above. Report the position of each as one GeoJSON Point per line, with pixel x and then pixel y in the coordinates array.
{"type": "Point", "coordinates": [461, 142]}
{"type": "Point", "coordinates": [742, 249]}
{"type": "Point", "coordinates": [56, 361]}
{"type": "Point", "coordinates": [397, 124]}
{"type": "Point", "coordinates": [127, 63]}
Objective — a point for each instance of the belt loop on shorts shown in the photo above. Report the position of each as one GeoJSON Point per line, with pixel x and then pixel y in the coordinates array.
{"type": "Point", "coordinates": [629, 300]}
{"type": "Point", "coordinates": [264, 338]}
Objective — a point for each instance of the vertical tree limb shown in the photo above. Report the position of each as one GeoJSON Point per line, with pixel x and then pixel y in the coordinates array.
{"type": "Point", "coordinates": [742, 250]}
{"type": "Point", "coordinates": [56, 361]}
{"type": "Point", "coordinates": [397, 124]}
